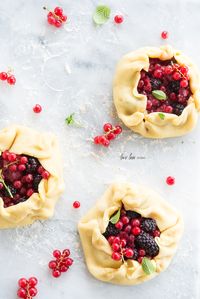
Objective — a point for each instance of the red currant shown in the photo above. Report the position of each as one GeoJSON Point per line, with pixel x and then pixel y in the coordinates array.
{"type": "Point", "coordinates": [66, 252]}
{"type": "Point", "coordinates": [176, 76]}
{"type": "Point", "coordinates": [76, 204]}
{"type": "Point", "coordinates": [111, 136]}
{"type": "Point", "coordinates": [56, 273]}
{"type": "Point", "coordinates": [69, 262]}
{"type": "Point", "coordinates": [45, 174]}
{"type": "Point", "coordinates": [170, 180]}
{"type": "Point", "coordinates": [3, 76]}
{"type": "Point", "coordinates": [52, 264]}
{"type": "Point", "coordinates": [156, 233]}
{"type": "Point", "coordinates": [107, 127]}
{"type": "Point", "coordinates": [57, 253]}
{"type": "Point", "coordinates": [51, 20]}
{"type": "Point", "coordinates": [32, 281]}
{"type": "Point", "coordinates": [136, 230]}
{"type": "Point", "coordinates": [11, 80]}
{"type": "Point", "coordinates": [21, 293]}
{"type": "Point", "coordinates": [58, 11]}
{"type": "Point", "coordinates": [119, 225]}
{"type": "Point", "coordinates": [22, 282]}
{"type": "Point", "coordinates": [37, 108]}
{"type": "Point", "coordinates": [23, 160]}
{"type": "Point", "coordinates": [135, 222]}
{"type": "Point", "coordinates": [118, 19]}
{"type": "Point", "coordinates": [116, 256]}
{"type": "Point", "coordinates": [117, 130]}
{"type": "Point", "coordinates": [58, 23]}
{"type": "Point", "coordinates": [115, 247]}
{"type": "Point", "coordinates": [128, 252]}
{"type": "Point", "coordinates": [164, 34]}
{"type": "Point", "coordinates": [141, 252]}
{"type": "Point", "coordinates": [33, 292]}
{"type": "Point", "coordinates": [184, 83]}
{"type": "Point", "coordinates": [97, 140]}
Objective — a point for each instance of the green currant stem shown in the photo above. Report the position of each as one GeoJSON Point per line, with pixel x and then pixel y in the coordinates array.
{"type": "Point", "coordinates": [53, 13]}
{"type": "Point", "coordinates": [7, 188]}
{"type": "Point", "coordinates": [178, 70]}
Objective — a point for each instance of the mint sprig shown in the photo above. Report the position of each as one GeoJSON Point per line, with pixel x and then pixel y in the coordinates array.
{"type": "Point", "coordinates": [101, 14]}
{"type": "Point", "coordinates": [161, 115]}
{"type": "Point", "coordinates": [115, 218]}
{"type": "Point", "coordinates": [159, 95]}
{"type": "Point", "coordinates": [70, 121]}
{"type": "Point", "coordinates": [147, 266]}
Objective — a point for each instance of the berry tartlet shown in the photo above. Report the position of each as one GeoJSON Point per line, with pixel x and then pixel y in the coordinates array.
{"type": "Point", "coordinates": [31, 178]}
{"type": "Point", "coordinates": [130, 235]}
{"type": "Point", "coordinates": [157, 92]}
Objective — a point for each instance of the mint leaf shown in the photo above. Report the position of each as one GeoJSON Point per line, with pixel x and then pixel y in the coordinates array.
{"type": "Point", "coordinates": [159, 95]}
{"type": "Point", "coordinates": [161, 115]}
{"type": "Point", "coordinates": [115, 218]}
{"type": "Point", "coordinates": [147, 266]}
{"type": "Point", "coordinates": [101, 14]}
{"type": "Point", "coordinates": [70, 119]}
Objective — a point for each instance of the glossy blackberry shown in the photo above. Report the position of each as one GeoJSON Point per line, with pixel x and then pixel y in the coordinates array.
{"type": "Point", "coordinates": [36, 182]}
{"type": "Point", "coordinates": [148, 225]}
{"type": "Point", "coordinates": [147, 242]}
{"type": "Point", "coordinates": [155, 83]}
{"type": "Point", "coordinates": [178, 109]}
{"type": "Point", "coordinates": [174, 86]}
{"type": "Point", "coordinates": [132, 214]}
{"type": "Point", "coordinates": [111, 230]}
{"type": "Point", "coordinates": [32, 165]}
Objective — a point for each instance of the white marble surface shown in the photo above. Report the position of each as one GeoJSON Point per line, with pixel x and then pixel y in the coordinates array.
{"type": "Point", "coordinates": [70, 70]}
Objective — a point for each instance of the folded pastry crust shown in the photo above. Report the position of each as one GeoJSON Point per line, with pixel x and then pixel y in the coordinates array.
{"type": "Point", "coordinates": [97, 249]}
{"type": "Point", "coordinates": [131, 106]}
{"type": "Point", "coordinates": [43, 146]}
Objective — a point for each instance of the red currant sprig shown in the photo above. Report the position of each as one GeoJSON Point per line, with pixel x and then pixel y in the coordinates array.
{"type": "Point", "coordinates": [62, 262]}
{"type": "Point", "coordinates": [27, 288]}
{"type": "Point", "coordinates": [8, 77]}
{"type": "Point", "coordinates": [56, 17]}
{"type": "Point", "coordinates": [110, 133]}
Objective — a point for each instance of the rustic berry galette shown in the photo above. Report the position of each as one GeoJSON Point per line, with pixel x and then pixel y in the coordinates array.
{"type": "Point", "coordinates": [130, 235]}
{"type": "Point", "coordinates": [157, 92]}
{"type": "Point", "coordinates": [30, 176]}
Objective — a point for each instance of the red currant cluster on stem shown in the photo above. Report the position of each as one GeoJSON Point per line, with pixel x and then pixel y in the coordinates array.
{"type": "Point", "coordinates": [27, 288]}
{"type": "Point", "coordinates": [110, 133]}
{"type": "Point", "coordinates": [8, 77]}
{"type": "Point", "coordinates": [56, 17]}
{"type": "Point", "coordinates": [62, 262]}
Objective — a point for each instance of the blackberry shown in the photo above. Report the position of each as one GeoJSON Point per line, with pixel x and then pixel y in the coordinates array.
{"type": "Point", "coordinates": [178, 109]}
{"type": "Point", "coordinates": [132, 214]}
{"type": "Point", "coordinates": [174, 86]}
{"type": "Point", "coordinates": [32, 165]}
{"type": "Point", "coordinates": [148, 225]}
{"type": "Point", "coordinates": [147, 242]}
{"type": "Point", "coordinates": [36, 181]}
{"type": "Point", "coordinates": [135, 255]}
{"type": "Point", "coordinates": [155, 83]}
{"type": "Point", "coordinates": [111, 230]}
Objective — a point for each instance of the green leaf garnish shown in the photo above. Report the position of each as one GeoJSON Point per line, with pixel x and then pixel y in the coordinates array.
{"type": "Point", "coordinates": [161, 115]}
{"type": "Point", "coordinates": [115, 218]}
{"type": "Point", "coordinates": [70, 121]}
{"type": "Point", "coordinates": [6, 187]}
{"type": "Point", "coordinates": [147, 266]}
{"type": "Point", "coordinates": [159, 95]}
{"type": "Point", "coordinates": [101, 14]}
